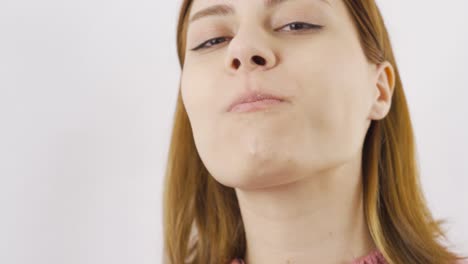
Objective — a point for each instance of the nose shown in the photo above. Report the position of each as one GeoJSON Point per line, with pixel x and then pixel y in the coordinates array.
{"type": "Point", "coordinates": [249, 54]}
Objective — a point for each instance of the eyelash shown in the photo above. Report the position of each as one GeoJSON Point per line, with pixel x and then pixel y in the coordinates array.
{"type": "Point", "coordinates": [203, 45]}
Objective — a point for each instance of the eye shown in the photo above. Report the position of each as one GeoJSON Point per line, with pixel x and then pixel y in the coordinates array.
{"type": "Point", "coordinates": [294, 26]}
{"type": "Point", "coordinates": [209, 43]}
{"type": "Point", "coordinates": [301, 26]}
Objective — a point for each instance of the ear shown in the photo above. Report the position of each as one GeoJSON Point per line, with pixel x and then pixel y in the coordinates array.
{"type": "Point", "coordinates": [384, 85]}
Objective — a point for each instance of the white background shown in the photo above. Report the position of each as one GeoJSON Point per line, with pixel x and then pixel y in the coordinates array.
{"type": "Point", "coordinates": [87, 96]}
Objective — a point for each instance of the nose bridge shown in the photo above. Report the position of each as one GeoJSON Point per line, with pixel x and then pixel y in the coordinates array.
{"type": "Point", "coordinates": [249, 49]}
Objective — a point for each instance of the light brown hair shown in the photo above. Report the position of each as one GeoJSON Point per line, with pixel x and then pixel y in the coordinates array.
{"type": "Point", "coordinates": [202, 220]}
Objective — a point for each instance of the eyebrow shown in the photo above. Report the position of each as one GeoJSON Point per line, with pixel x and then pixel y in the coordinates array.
{"type": "Point", "coordinates": [225, 10]}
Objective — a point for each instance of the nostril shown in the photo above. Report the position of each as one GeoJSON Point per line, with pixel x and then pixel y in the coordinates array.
{"type": "Point", "coordinates": [258, 60]}
{"type": "Point", "coordinates": [236, 63]}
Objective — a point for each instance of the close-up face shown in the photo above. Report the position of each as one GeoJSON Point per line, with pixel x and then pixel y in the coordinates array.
{"type": "Point", "coordinates": [305, 52]}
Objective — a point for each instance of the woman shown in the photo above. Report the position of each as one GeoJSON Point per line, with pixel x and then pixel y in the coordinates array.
{"type": "Point", "coordinates": [292, 140]}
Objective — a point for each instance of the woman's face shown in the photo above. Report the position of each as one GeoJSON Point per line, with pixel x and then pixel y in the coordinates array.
{"type": "Point", "coordinates": [329, 87]}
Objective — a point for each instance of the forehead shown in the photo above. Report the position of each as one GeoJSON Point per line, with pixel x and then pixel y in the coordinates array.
{"type": "Point", "coordinates": [264, 2]}
{"type": "Point", "coordinates": [205, 8]}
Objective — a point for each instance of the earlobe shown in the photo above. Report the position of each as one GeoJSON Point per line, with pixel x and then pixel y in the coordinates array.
{"type": "Point", "coordinates": [384, 85]}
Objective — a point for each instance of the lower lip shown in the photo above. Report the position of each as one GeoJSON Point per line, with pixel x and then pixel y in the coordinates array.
{"type": "Point", "coordinates": [255, 106]}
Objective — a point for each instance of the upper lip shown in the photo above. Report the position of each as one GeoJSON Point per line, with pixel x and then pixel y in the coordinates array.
{"type": "Point", "coordinates": [249, 96]}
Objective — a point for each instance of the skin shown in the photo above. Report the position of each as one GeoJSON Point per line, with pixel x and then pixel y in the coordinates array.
{"type": "Point", "coordinates": [295, 167]}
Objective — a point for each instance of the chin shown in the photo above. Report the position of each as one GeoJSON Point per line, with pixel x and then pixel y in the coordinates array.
{"type": "Point", "coordinates": [258, 177]}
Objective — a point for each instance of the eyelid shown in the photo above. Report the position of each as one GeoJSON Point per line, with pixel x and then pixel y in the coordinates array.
{"type": "Point", "coordinates": [310, 26]}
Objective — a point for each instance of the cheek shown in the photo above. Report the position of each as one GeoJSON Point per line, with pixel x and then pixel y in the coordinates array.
{"type": "Point", "coordinates": [185, 91]}
{"type": "Point", "coordinates": [197, 92]}
{"type": "Point", "coordinates": [192, 100]}
{"type": "Point", "coordinates": [343, 73]}
{"type": "Point", "coordinates": [335, 91]}
{"type": "Point", "coordinates": [203, 87]}
{"type": "Point", "coordinates": [193, 91]}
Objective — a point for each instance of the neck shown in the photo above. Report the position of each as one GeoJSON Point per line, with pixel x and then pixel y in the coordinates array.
{"type": "Point", "coordinates": [318, 219]}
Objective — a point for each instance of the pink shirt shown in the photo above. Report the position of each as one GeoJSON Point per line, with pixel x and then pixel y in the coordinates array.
{"type": "Point", "coordinates": [375, 257]}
